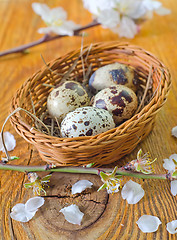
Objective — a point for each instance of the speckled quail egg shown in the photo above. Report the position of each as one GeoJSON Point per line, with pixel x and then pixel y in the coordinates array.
{"type": "Point", "coordinates": [86, 121]}
{"type": "Point", "coordinates": [113, 74]}
{"type": "Point", "coordinates": [65, 98]}
{"type": "Point", "coordinates": [119, 100]}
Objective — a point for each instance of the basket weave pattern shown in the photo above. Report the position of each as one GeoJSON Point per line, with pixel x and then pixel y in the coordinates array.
{"type": "Point", "coordinates": [109, 146]}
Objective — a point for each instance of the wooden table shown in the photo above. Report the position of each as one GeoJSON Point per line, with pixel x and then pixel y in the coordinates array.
{"type": "Point", "coordinates": [106, 217]}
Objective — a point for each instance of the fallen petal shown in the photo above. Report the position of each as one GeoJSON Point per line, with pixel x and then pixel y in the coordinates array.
{"type": "Point", "coordinates": [172, 227]}
{"type": "Point", "coordinates": [132, 192]}
{"type": "Point", "coordinates": [72, 214]}
{"type": "Point", "coordinates": [174, 131]}
{"type": "Point", "coordinates": [174, 187]}
{"type": "Point", "coordinates": [80, 186]}
{"type": "Point", "coordinates": [34, 203]}
{"type": "Point", "coordinates": [20, 214]}
{"type": "Point", "coordinates": [9, 140]}
{"type": "Point", "coordinates": [148, 223]}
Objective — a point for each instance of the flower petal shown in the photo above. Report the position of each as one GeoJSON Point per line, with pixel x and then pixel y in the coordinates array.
{"type": "Point", "coordinates": [132, 9]}
{"type": "Point", "coordinates": [80, 186]}
{"type": "Point", "coordinates": [109, 18]}
{"type": "Point", "coordinates": [174, 131]}
{"type": "Point", "coordinates": [20, 214]}
{"type": "Point", "coordinates": [132, 192]}
{"type": "Point", "coordinates": [174, 187]}
{"type": "Point", "coordinates": [9, 140]}
{"type": "Point", "coordinates": [163, 11]}
{"type": "Point", "coordinates": [34, 203]}
{"type": "Point", "coordinates": [169, 164]}
{"type": "Point", "coordinates": [96, 6]}
{"type": "Point", "coordinates": [72, 214]}
{"type": "Point", "coordinates": [67, 28]}
{"type": "Point", "coordinates": [127, 28]}
{"type": "Point", "coordinates": [172, 227]}
{"type": "Point", "coordinates": [148, 223]}
{"type": "Point", "coordinates": [151, 5]}
{"type": "Point", "coordinates": [41, 9]}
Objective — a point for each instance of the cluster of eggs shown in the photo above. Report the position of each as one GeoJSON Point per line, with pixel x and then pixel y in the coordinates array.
{"type": "Point", "coordinates": [114, 86]}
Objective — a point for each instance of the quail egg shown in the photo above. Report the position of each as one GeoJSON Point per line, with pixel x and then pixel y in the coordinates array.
{"type": "Point", "coordinates": [86, 121]}
{"type": "Point", "coordinates": [119, 100]}
{"type": "Point", "coordinates": [113, 74]}
{"type": "Point", "coordinates": [65, 98]}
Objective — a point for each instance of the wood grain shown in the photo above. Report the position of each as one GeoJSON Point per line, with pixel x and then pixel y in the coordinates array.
{"type": "Point", "coordinates": [107, 217]}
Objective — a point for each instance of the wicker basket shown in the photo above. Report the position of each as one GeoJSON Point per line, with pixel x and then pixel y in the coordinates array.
{"type": "Point", "coordinates": [104, 148]}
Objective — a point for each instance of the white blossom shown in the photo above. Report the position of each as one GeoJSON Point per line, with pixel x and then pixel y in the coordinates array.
{"type": "Point", "coordinates": [24, 212]}
{"type": "Point", "coordinates": [80, 186]}
{"type": "Point", "coordinates": [111, 181]}
{"type": "Point", "coordinates": [9, 140]}
{"type": "Point", "coordinates": [148, 223]}
{"type": "Point", "coordinates": [172, 227]}
{"type": "Point", "coordinates": [174, 187]}
{"type": "Point", "coordinates": [174, 131]}
{"type": "Point", "coordinates": [72, 214]}
{"type": "Point", "coordinates": [169, 163]}
{"type": "Point", "coordinates": [55, 19]}
{"type": "Point", "coordinates": [37, 183]}
{"type": "Point", "coordinates": [143, 163]}
{"type": "Point", "coordinates": [121, 15]}
{"type": "Point", "coordinates": [132, 192]}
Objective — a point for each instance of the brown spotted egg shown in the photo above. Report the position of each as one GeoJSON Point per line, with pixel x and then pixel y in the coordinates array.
{"type": "Point", "coordinates": [113, 74]}
{"type": "Point", "coordinates": [86, 121]}
{"type": "Point", "coordinates": [119, 100]}
{"type": "Point", "coordinates": [65, 98]}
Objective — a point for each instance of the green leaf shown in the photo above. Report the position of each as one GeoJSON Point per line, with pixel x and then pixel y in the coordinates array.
{"type": "Point", "coordinates": [139, 154]}
{"type": "Point", "coordinates": [102, 187]}
{"type": "Point", "coordinates": [89, 165]}
{"type": "Point", "coordinates": [118, 176]}
{"type": "Point", "coordinates": [175, 162]}
{"type": "Point", "coordinates": [104, 176]}
{"type": "Point", "coordinates": [46, 178]}
{"type": "Point", "coordinates": [27, 185]}
{"type": "Point", "coordinates": [114, 172]}
{"type": "Point", "coordinates": [174, 174]}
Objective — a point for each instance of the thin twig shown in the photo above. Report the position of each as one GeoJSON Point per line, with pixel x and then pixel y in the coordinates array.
{"type": "Point", "coordinates": [52, 126]}
{"type": "Point", "coordinates": [59, 129]}
{"type": "Point", "coordinates": [82, 60]}
{"type": "Point", "coordinates": [146, 90]}
{"type": "Point", "coordinates": [9, 116]}
{"type": "Point", "coordinates": [46, 38]}
{"type": "Point", "coordinates": [48, 85]}
{"type": "Point", "coordinates": [89, 69]}
{"type": "Point", "coordinates": [33, 107]}
{"type": "Point", "coordinates": [47, 65]}
{"type": "Point", "coordinates": [119, 171]}
{"type": "Point", "coordinates": [158, 84]}
{"type": "Point", "coordinates": [90, 47]}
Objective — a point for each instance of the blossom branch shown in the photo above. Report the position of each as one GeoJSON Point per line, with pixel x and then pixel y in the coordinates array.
{"type": "Point", "coordinates": [46, 38]}
{"type": "Point", "coordinates": [96, 171]}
